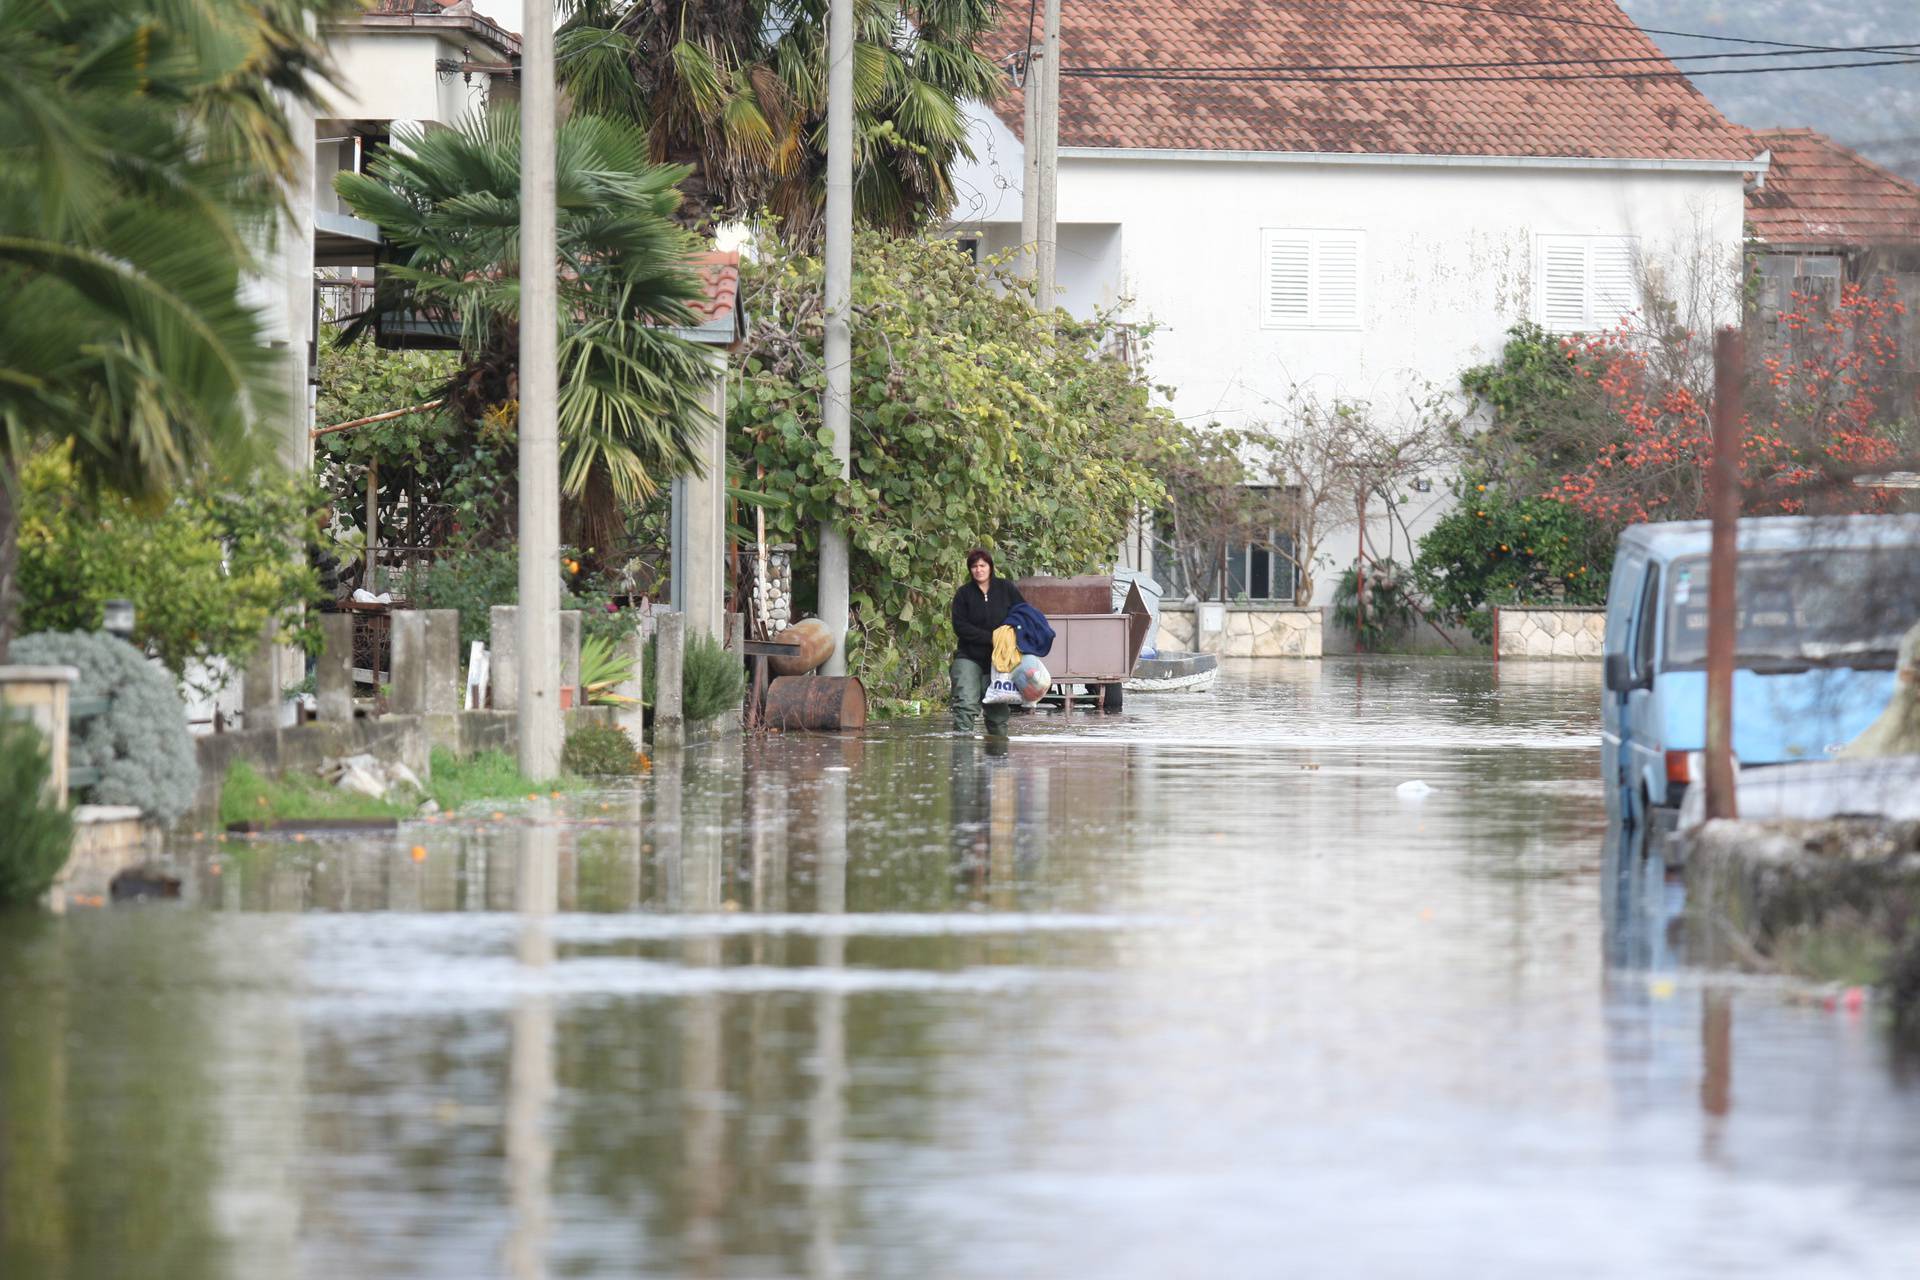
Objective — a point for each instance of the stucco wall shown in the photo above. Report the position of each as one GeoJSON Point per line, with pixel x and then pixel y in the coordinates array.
{"type": "Point", "coordinates": [1448, 268]}
{"type": "Point", "coordinates": [1247, 633]}
{"type": "Point", "coordinates": [1550, 633]}
{"type": "Point", "coordinates": [390, 75]}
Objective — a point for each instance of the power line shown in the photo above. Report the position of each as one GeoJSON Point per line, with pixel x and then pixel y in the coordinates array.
{"type": "Point", "coordinates": [1567, 20]}
{"type": "Point", "coordinates": [1461, 66]}
{"type": "Point", "coordinates": [1312, 78]}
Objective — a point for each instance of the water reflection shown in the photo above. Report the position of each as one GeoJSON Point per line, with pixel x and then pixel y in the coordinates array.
{"type": "Point", "coordinates": [901, 1006]}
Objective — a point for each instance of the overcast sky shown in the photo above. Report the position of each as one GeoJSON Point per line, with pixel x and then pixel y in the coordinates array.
{"type": "Point", "coordinates": [1874, 110]}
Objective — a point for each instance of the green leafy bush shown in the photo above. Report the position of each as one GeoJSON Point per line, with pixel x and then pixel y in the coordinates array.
{"type": "Point", "coordinates": [476, 579]}
{"type": "Point", "coordinates": [596, 750]}
{"type": "Point", "coordinates": [140, 745]}
{"type": "Point", "coordinates": [1493, 549]}
{"type": "Point", "coordinates": [206, 570]}
{"type": "Point", "coordinates": [1390, 606]}
{"type": "Point", "coordinates": [975, 421]}
{"type": "Point", "coordinates": [712, 680]}
{"type": "Point", "coordinates": [38, 835]}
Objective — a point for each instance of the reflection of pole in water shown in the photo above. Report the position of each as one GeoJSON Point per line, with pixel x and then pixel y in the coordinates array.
{"type": "Point", "coordinates": [826, 1116]}
{"type": "Point", "coordinates": [530, 1062]}
{"type": "Point", "coordinates": [1001, 812]}
{"type": "Point", "coordinates": [694, 869]}
{"type": "Point", "coordinates": [1716, 1052]}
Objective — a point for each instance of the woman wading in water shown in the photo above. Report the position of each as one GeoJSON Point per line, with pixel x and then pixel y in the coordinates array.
{"type": "Point", "coordinates": [980, 605]}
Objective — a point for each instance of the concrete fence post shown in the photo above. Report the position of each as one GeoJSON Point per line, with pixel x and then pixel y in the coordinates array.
{"type": "Point", "coordinates": [40, 696]}
{"type": "Point", "coordinates": [444, 689]}
{"type": "Point", "coordinates": [570, 655]}
{"type": "Point", "coordinates": [669, 654]}
{"type": "Point", "coordinates": [260, 684]}
{"type": "Point", "coordinates": [333, 670]}
{"type": "Point", "coordinates": [503, 662]}
{"type": "Point", "coordinates": [409, 674]}
{"type": "Point", "coordinates": [631, 716]}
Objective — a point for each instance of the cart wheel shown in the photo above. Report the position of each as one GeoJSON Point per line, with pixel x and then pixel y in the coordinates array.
{"type": "Point", "coordinates": [1111, 698]}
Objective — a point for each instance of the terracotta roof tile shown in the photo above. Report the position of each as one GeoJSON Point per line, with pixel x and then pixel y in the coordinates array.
{"type": "Point", "coordinates": [1819, 192]}
{"type": "Point", "coordinates": [1490, 113]}
{"type": "Point", "coordinates": [720, 279]}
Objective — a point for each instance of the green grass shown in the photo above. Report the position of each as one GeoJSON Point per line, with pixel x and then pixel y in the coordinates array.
{"type": "Point", "coordinates": [245, 796]}
{"type": "Point", "coordinates": [487, 775]}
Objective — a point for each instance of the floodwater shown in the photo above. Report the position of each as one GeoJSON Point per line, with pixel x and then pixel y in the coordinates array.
{"type": "Point", "coordinates": [1195, 990]}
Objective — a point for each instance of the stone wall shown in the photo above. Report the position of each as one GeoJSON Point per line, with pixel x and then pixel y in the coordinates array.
{"type": "Point", "coordinates": [1549, 633]}
{"type": "Point", "coordinates": [1247, 632]}
{"type": "Point", "coordinates": [774, 613]}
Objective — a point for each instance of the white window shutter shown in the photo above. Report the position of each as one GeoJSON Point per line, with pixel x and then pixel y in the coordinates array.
{"type": "Point", "coordinates": [1563, 284]}
{"type": "Point", "coordinates": [1312, 279]}
{"type": "Point", "coordinates": [1287, 296]}
{"type": "Point", "coordinates": [1336, 280]}
{"type": "Point", "coordinates": [1616, 291]}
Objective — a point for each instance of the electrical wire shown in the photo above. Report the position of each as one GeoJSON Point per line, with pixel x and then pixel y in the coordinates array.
{"type": "Point", "coordinates": [1568, 20]}
{"type": "Point", "coordinates": [1312, 78]}
{"type": "Point", "coordinates": [1100, 68]}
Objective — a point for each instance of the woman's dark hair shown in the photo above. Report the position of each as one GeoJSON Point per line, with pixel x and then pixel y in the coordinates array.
{"type": "Point", "coordinates": [978, 554]}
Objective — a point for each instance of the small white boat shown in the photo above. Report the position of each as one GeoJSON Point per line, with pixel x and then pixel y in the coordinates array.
{"type": "Point", "coordinates": [1169, 672]}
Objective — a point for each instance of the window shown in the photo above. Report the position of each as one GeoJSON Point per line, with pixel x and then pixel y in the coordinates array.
{"type": "Point", "coordinates": [1584, 283]}
{"type": "Point", "coordinates": [1643, 623]}
{"type": "Point", "coordinates": [1229, 564]}
{"type": "Point", "coordinates": [1311, 279]}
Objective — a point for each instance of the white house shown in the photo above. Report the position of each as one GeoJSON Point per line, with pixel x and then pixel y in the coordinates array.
{"type": "Point", "coordinates": [1358, 200]}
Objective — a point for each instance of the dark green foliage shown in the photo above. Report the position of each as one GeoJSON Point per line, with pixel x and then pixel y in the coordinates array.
{"type": "Point", "coordinates": [37, 834]}
{"type": "Point", "coordinates": [141, 745]}
{"type": "Point", "coordinates": [599, 750]}
{"type": "Point", "coordinates": [475, 579]}
{"type": "Point", "coordinates": [1549, 417]}
{"type": "Point", "coordinates": [1493, 549]}
{"type": "Point", "coordinates": [712, 680]}
{"type": "Point", "coordinates": [1390, 607]}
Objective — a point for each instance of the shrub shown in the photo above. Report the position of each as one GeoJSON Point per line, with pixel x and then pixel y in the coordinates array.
{"type": "Point", "coordinates": [206, 570]}
{"type": "Point", "coordinates": [1493, 549]}
{"type": "Point", "coordinates": [712, 680]}
{"type": "Point", "coordinates": [1390, 607]}
{"type": "Point", "coordinates": [476, 579]}
{"type": "Point", "coordinates": [38, 835]}
{"type": "Point", "coordinates": [140, 745]}
{"type": "Point", "coordinates": [595, 750]}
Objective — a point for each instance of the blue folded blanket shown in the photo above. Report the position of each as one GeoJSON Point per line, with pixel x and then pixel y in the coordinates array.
{"type": "Point", "coordinates": [1030, 630]}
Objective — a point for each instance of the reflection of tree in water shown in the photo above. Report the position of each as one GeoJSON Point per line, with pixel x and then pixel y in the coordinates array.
{"type": "Point", "coordinates": [109, 1125]}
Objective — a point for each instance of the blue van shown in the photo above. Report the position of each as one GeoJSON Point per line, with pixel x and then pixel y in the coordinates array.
{"type": "Point", "coordinates": [1822, 604]}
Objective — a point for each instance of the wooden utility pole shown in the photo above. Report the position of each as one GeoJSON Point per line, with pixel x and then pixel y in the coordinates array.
{"type": "Point", "coordinates": [1722, 567]}
{"type": "Point", "coordinates": [1047, 228]}
{"type": "Point", "coordinates": [538, 619]}
{"type": "Point", "coordinates": [836, 413]}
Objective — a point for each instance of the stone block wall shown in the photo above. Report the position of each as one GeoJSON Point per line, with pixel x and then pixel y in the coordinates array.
{"type": "Point", "coordinates": [1283, 632]}
{"type": "Point", "coordinates": [1567, 633]}
{"type": "Point", "coordinates": [773, 613]}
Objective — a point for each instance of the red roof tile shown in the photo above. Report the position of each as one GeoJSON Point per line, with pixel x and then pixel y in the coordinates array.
{"type": "Point", "coordinates": [720, 279]}
{"type": "Point", "coordinates": [1482, 111]}
{"type": "Point", "coordinates": [1819, 192]}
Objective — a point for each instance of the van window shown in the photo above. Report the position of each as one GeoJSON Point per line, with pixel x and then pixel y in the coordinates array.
{"type": "Point", "coordinates": [1795, 609]}
{"type": "Point", "coordinates": [1643, 623]}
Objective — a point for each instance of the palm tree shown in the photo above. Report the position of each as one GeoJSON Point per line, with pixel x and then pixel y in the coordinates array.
{"type": "Point", "coordinates": [736, 90]}
{"type": "Point", "coordinates": [448, 202]}
{"type": "Point", "coordinates": [142, 147]}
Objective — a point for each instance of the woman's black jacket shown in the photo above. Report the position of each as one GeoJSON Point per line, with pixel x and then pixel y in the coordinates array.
{"type": "Point", "coordinates": [975, 616]}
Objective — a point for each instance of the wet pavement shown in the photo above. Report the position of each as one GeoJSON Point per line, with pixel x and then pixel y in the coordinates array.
{"type": "Point", "coordinates": [1195, 990]}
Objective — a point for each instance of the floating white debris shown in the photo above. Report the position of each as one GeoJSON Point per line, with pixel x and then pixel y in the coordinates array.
{"type": "Point", "coordinates": [1412, 790]}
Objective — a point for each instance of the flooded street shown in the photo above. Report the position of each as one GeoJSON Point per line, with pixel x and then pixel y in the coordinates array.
{"type": "Point", "coordinates": [1196, 990]}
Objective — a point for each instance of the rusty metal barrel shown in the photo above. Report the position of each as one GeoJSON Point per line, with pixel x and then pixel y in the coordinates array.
{"type": "Point", "coordinates": [816, 702]}
{"type": "Point", "coordinates": [816, 646]}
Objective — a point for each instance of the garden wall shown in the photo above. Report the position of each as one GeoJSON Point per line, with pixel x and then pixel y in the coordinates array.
{"type": "Point", "coordinates": [1567, 633]}
{"type": "Point", "coordinates": [1247, 631]}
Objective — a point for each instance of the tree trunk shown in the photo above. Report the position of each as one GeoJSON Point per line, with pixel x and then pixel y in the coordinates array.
{"type": "Point", "coordinates": [9, 550]}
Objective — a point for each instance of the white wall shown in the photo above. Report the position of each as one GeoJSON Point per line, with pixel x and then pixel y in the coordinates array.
{"type": "Point", "coordinates": [390, 75]}
{"type": "Point", "coordinates": [1449, 264]}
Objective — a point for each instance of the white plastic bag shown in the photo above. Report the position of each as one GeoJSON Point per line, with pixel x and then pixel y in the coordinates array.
{"type": "Point", "coordinates": [1001, 688]}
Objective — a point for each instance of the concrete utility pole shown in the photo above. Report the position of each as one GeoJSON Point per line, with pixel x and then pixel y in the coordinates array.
{"type": "Point", "coordinates": [1030, 94]}
{"type": "Point", "coordinates": [1722, 566]}
{"type": "Point", "coordinates": [539, 613]}
{"type": "Point", "coordinates": [836, 412]}
{"type": "Point", "coordinates": [1047, 157]}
